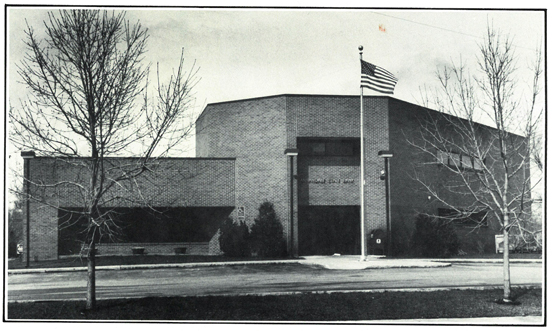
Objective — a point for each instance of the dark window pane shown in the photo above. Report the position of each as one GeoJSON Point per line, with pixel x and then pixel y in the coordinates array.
{"type": "Point", "coordinates": [341, 148]}
{"type": "Point", "coordinates": [318, 148]}
{"type": "Point", "coordinates": [463, 219]}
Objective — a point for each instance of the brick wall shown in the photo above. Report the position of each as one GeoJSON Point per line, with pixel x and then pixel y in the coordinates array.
{"type": "Point", "coordinates": [192, 248]}
{"type": "Point", "coordinates": [240, 129]}
{"type": "Point", "coordinates": [257, 131]}
{"type": "Point", "coordinates": [322, 116]}
{"type": "Point", "coordinates": [254, 132]}
{"type": "Point", "coordinates": [252, 135]}
{"type": "Point", "coordinates": [376, 139]}
{"type": "Point", "coordinates": [409, 164]}
{"type": "Point", "coordinates": [175, 182]}
{"type": "Point", "coordinates": [318, 116]}
{"type": "Point", "coordinates": [339, 117]}
{"type": "Point", "coordinates": [342, 191]}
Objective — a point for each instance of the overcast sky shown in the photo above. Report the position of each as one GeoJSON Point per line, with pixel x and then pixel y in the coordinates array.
{"type": "Point", "coordinates": [245, 53]}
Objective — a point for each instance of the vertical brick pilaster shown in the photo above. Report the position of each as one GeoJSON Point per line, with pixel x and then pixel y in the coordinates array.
{"type": "Point", "coordinates": [292, 220]}
{"type": "Point", "coordinates": [26, 207]}
{"type": "Point", "coordinates": [376, 138]}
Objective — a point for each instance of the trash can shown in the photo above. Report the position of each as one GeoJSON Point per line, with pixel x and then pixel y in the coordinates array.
{"type": "Point", "coordinates": [499, 243]}
{"type": "Point", "coordinates": [377, 242]}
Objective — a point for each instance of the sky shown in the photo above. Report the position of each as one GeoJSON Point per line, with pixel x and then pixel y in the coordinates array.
{"type": "Point", "coordinates": [254, 52]}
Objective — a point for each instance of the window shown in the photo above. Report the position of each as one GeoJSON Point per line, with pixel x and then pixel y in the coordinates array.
{"type": "Point", "coordinates": [464, 218]}
{"type": "Point", "coordinates": [466, 162]}
{"type": "Point", "coordinates": [318, 148]}
{"type": "Point", "coordinates": [477, 164]}
{"type": "Point", "coordinates": [342, 148]}
{"type": "Point", "coordinates": [454, 160]}
{"type": "Point", "coordinates": [461, 161]}
{"type": "Point", "coordinates": [442, 157]}
{"type": "Point", "coordinates": [345, 147]}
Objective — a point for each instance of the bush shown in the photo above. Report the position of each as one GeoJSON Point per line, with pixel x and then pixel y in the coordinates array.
{"type": "Point", "coordinates": [15, 231]}
{"type": "Point", "coordinates": [234, 239]}
{"type": "Point", "coordinates": [401, 237]}
{"type": "Point", "coordinates": [434, 237]}
{"type": "Point", "coordinates": [267, 233]}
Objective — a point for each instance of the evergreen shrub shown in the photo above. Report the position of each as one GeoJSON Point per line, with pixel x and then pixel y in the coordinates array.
{"type": "Point", "coordinates": [234, 238]}
{"type": "Point", "coordinates": [267, 233]}
{"type": "Point", "coordinates": [434, 237]}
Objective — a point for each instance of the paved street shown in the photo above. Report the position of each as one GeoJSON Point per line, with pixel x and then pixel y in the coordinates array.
{"type": "Point", "coordinates": [254, 279]}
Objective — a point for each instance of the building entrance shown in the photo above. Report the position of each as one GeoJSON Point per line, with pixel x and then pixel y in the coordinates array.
{"type": "Point", "coordinates": [327, 230]}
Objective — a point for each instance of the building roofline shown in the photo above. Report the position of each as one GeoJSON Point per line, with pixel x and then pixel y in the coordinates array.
{"type": "Point", "coordinates": [287, 95]}
{"type": "Point", "coordinates": [138, 158]}
{"type": "Point", "coordinates": [297, 95]}
{"type": "Point", "coordinates": [340, 96]}
{"type": "Point", "coordinates": [450, 115]}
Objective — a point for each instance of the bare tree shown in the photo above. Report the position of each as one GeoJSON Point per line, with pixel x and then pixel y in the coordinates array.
{"type": "Point", "coordinates": [86, 80]}
{"type": "Point", "coordinates": [487, 165]}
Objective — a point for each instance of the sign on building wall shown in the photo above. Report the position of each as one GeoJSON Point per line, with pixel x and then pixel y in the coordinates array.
{"type": "Point", "coordinates": [328, 180]}
{"type": "Point", "coordinates": [241, 213]}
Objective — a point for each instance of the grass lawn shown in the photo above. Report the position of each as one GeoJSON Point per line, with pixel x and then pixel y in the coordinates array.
{"type": "Point", "coordinates": [128, 260]}
{"type": "Point", "coordinates": [303, 307]}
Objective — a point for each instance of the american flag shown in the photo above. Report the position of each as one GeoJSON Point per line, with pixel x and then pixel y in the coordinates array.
{"type": "Point", "coordinates": [376, 78]}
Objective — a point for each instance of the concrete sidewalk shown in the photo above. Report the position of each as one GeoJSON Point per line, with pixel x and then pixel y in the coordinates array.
{"type": "Point", "coordinates": [353, 262]}
{"type": "Point", "coordinates": [336, 262]}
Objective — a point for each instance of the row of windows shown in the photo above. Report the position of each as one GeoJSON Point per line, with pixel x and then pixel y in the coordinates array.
{"type": "Point", "coordinates": [464, 219]}
{"type": "Point", "coordinates": [329, 148]}
{"type": "Point", "coordinates": [459, 160]}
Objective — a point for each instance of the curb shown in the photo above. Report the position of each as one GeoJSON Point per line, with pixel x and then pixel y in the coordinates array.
{"type": "Point", "coordinates": [422, 265]}
{"type": "Point", "coordinates": [146, 266]}
{"type": "Point", "coordinates": [487, 260]}
{"type": "Point", "coordinates": [262, 294]}
{"type": "Point", "coordinates": [531, 320]}
{"type": "Point", "coordinates": [444, 263]}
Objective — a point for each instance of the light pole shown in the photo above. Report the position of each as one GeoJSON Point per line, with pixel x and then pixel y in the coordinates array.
{"type": "Point", "coordinates": [27, 155]}
{"type": "Point", "coordinates": [386, 155]}
{"type": "Point", "coordinates": [291, 152]}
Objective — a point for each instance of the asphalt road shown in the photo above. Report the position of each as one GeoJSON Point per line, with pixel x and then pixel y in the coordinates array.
{"type": "Point", "coordinates": [256, 279]}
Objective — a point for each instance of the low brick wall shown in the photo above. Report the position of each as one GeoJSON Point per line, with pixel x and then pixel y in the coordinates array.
{"type": "Point", "coordinates": [192, 248]}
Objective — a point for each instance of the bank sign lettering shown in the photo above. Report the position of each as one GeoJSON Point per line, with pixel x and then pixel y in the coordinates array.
{"type": "Point", "coordinates": [328, 181]}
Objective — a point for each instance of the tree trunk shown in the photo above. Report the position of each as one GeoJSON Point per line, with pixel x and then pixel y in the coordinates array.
{"type": "Point", "coordinates": [506, 259]}
{"type": "Point", "coordinates": [91, 286]}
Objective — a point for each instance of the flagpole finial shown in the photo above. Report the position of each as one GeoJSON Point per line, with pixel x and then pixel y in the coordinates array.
{"type": "Point", "coordinates": [360, 48]}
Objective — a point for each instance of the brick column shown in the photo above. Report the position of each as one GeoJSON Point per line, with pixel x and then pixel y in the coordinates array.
{"type": "Point", "coordinates": [376, 138]}
{"type": "Point", "coordinates": [27, 156]}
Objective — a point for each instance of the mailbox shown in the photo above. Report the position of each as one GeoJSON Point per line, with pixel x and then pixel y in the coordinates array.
{"type": "Point", "coordinates": [377, 242]}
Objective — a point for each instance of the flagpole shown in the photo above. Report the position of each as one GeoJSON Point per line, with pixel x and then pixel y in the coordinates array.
{"type": "Point", "coordinates": [362, 230]}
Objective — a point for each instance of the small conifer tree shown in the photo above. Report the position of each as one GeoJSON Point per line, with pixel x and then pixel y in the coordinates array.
{"type": "Point", "coordinates": [234, 239]}
{"type": "Point", "coordinates": [267, 233]}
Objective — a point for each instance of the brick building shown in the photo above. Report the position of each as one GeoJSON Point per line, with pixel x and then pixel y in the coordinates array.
{"type": "Point", "coordinates": [241, 162]}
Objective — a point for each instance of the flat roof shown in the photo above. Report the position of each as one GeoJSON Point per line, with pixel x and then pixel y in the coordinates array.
{"type": "Point", "coordinates": [137, 158]}
{"type": "Point", "coordinates": [299, 95]}
{"type": "Point", "coordinates": [343, 96]}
